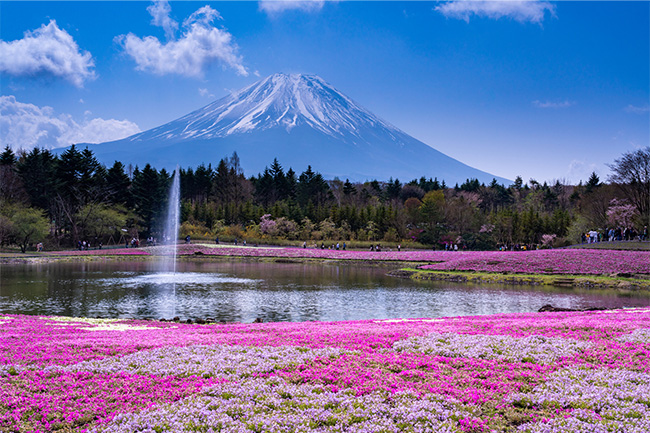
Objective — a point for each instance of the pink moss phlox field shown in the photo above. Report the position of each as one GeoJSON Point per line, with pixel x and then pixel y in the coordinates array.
{"type": "Point", "coordinates": [102, 252]}
{"type": "Point", "coordinates": [533, 372]}
{"type": "Point", "coordinates": [558, 261]}
{"type": "Point", "coordinates": [48, 400]}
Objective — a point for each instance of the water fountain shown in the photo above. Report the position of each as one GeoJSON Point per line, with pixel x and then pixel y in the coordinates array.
{"type": "Point", "coordinates": [167, 263]}
{"type": "Point", "coordinates": [165, 280]}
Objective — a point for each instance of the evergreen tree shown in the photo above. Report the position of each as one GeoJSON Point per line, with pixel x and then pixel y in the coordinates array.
{"type": "Point", "coordinates": [8, 157]}
{"type": "Point", "coordinates": [11, 187]}
{"type": "Point", "coordinates": [592, 183]}
{"type": "Point", "coordinates": [36, 170]}
{"type": "Point", "coordinates": [149, 197]}
{"type": "Point", "coordinates": [348, 188]}
{"type": "Point", "coordinates": [118, 185]}
{"type": "Point", "coordinates": [311, 188]}
{"type": "Point", "coordinates": [393, 189]}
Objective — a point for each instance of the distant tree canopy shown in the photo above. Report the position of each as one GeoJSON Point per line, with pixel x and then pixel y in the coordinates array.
{"type": "Point", "coordinates": [631, 173]}
{"type": "Point", "coordinates": [72, 196]}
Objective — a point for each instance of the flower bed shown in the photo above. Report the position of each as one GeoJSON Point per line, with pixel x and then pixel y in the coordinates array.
{"type": "Point", "coordinates": [533, 372]}
{"type": "Point", "coordinates": [562, 261]}
{"type": "Point", "coordinates": [102, 252]}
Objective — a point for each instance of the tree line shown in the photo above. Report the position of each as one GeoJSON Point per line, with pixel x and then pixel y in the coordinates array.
{"type": "Point", "coordinates": [64, 199]}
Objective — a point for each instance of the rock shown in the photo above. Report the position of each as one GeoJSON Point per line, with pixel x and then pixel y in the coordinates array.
{"type": "Point", "coordinates": [189, 321]}
{"type": "Point", "coordinates": [200, 321]}
{"type": "Point", "coordinates": [258, 320]}
{"type": "Point", "coordinates": [176, 319]}
{"type": "Point", "coordinates": [162, 319]}
{"type": "Point", "coordinates": [548, 308]}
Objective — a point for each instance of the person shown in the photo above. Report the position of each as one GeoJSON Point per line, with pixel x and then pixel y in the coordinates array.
{"type": "Point", "coordinates": [304, 245]}
{"type": "Point", "coordinates": [644, 236]}
{"type": "Point", "coordinates": [399, 247]}
{"type": "Point", "coordinates": [187, 239]}
{"type": "Point", "coordinates": [337, 245]}
{"type": "Point", "coordinates": [216, 241]}
{"type": "Point", "coordinates": [39, 247]}
{"type": "Point", "coordinates": [100, 245]}
{"type": "Point", "coordinates": [344, 246]}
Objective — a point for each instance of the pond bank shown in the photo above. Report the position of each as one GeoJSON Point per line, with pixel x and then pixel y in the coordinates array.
{"type": "Point", "coordinates": [631, 282]}
{"type": "Point", "coordinates": [591, 269]}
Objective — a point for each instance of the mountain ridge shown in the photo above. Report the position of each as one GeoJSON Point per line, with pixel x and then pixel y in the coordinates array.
{"type": "Point", "coordinates": [300, 120]}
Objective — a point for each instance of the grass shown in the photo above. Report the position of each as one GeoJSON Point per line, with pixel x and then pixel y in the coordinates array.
{"type": "Point", "coordinates": [584, 281]}
{"type": "Point", "coordinates": [616, 245]}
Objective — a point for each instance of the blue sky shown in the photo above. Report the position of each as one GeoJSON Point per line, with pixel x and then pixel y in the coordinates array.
{"type": "Point", "coordinates": [545, 90]}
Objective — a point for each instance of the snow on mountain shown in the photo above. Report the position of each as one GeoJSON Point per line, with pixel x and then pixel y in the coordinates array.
{"type": "Point", "coordinates": [279, 101]}
{"type": "Point", "coordinates": [299, 119]}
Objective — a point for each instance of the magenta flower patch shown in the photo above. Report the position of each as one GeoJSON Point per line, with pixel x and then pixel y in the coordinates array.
{"type": "Point", "coordinates": [533, 373]}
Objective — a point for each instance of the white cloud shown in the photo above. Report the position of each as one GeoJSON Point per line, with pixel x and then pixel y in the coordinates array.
{"type": "Point", "coordinates": [553, 104]}
{"type": "Point", "coordinates": [273, 7]}
{"type": "Point", "coordinates": [581, 170]}
{"type": "Point", "coordinates": [637, 110]}
{"type": "Point", "coordinates": [205, 92]}
{"type": "Point", "coordinates": [522, 11]}
{"type": "Point", "coordinates": [204, 16]}
{"type": "Point", "coordinates": [25, 126]}
{"type": "Point", "coordinates": [200, 45]}
{"type": "Point", "coordinates": [47, 50]}
{"type": "Point", "coordinates": [159, 12]}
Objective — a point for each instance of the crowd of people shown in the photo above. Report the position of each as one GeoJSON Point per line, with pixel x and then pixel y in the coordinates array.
{"type": "Point", "coordinates": [613, 234]}
{"type": "Point", "coordinates": [82, 245]}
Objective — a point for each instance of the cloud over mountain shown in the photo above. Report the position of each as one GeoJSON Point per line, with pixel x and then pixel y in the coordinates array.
{"type": "Point", "coordinates": [47, 50]}
{"type": "Point", "coordinates": [200, 45]}
{"type": "Point", "coordinates": [25, 126]}
{"type": "Point", "coordinates": [522, 11]}
{"type": "Point", "coordinates": [273, 7]}
{"type": "Point", "coordinates": [553, 104]}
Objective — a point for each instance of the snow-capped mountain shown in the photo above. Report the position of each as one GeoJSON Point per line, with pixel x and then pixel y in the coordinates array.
{"type": "Point", "coordinates": [279, 101]}
{"type": "Point", "coordinates": [299, 119]}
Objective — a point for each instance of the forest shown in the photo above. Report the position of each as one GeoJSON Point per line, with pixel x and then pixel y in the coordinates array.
{"type": "Point", "coordinates": [60, 200]}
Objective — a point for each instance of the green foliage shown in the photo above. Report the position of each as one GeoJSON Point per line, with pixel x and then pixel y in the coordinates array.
{"type": "Point", "coordinates": [81, 199]}
{"type": "Point", "coordinates": [100, 220]}
{"type": "Point", "coordinates": [24, 225]}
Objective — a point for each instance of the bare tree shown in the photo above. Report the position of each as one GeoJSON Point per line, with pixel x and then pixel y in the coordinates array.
{"type": "Point", "coordinates": [631, 173]}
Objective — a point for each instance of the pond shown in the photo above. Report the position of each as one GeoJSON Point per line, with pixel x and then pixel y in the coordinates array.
{"type": "Point", "coordinates": [242, 292]}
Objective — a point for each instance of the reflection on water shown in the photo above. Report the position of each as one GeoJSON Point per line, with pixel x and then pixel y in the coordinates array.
{"type": "Point", "coordinates": [242, 292]}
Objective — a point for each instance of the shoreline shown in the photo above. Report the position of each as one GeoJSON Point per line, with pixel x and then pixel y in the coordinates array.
{"type": "Point", "coordinates": [401, 269]}
{"type": "Point", "coordinates": [557, 280]}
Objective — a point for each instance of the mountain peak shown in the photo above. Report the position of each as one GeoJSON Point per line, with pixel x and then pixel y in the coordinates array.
{"type": "Point", "coordinates": [301, 120]}
{"type": "Point", "coordinates": [281, 101]}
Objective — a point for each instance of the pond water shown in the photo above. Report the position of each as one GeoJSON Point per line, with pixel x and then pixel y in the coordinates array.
{"type": "Point", "coordinates": [242, 292]}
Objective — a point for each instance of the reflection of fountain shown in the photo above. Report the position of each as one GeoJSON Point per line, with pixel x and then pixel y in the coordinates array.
{"type": "Point", "coordinates": [170, 232]}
